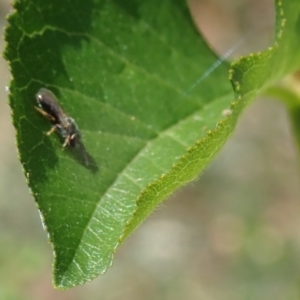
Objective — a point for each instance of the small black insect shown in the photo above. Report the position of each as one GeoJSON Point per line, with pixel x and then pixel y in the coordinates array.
{"type": "Point", "coordinates": [48, 106]}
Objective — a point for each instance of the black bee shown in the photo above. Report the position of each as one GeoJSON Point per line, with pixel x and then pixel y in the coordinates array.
{"type": "Point", "coordinates": [66, 126]}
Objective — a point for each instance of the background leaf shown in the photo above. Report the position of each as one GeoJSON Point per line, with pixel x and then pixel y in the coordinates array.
{"type": "Point", "coordinates": [123, 72]}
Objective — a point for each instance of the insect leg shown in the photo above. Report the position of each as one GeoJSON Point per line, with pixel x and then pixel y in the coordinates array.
{"type": "Point", "coordinates": [67, 141]}
{"type": "Point", "coordinates": [45, 114]}
{"type": "Point", "coordinates": [52, 129]}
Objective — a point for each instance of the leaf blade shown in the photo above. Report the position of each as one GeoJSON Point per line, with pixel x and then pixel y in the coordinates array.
{"type": "Point", "coordinates": [123, 71]}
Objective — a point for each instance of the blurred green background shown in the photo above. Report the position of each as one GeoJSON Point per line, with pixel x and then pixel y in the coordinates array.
{"type": "Point", "coordinates": [234, 234]}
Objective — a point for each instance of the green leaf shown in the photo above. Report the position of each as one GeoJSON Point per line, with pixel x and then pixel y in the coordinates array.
{"type": "Point", "coordinates": [123, 70]}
